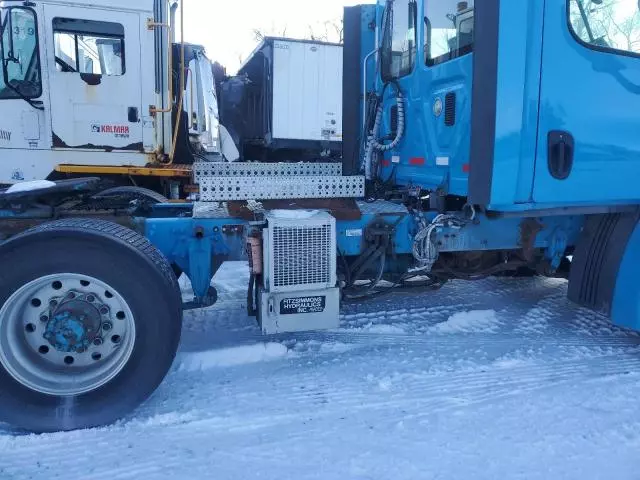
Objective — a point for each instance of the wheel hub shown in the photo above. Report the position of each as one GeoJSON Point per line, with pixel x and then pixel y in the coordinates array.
{"type": "Point", "coordinates": [74, 324]}
{"type": "Point", "coordinates": [65, 334]}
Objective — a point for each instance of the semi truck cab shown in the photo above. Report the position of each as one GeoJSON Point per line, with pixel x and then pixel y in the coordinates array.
{"type": "Point", "coordinates": [514, 105]}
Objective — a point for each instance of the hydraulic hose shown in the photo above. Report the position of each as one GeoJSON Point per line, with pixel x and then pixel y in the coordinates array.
{"type": "Point", "coordinates": [374, 143]}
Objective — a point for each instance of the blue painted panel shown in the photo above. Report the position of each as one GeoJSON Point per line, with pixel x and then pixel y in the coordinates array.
{"type": "Point", "coordinates": [625, 310]}
{"type": "Point", "coordinates": [595, 96]}
{"type": "Point", "coordinates": [556, 233]}
{"type": "Point", "coordinates": [194, 244]}
{"type": "Point", "coordinates": [427, 137]}
{"type": "Point", "coordinates": [350, 235]}
{"type": "Point", "coordinates": [519, 57]}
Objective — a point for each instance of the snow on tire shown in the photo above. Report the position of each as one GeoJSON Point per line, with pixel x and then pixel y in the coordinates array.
{"type": "Point", "coordinates": [90, 321]}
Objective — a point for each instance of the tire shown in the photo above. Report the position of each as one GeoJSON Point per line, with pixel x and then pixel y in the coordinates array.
{"type": "Point", "coordinates": [134, 193]}
{"type": "Point", "coordinates": [142, 280]}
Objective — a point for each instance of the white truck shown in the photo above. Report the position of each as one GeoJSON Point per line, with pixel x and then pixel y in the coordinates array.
{"type": "Point", "coordinates": [93, 89]}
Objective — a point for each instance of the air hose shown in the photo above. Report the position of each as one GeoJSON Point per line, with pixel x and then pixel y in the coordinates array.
{"type": "Point", "coordinates": [374, 142]}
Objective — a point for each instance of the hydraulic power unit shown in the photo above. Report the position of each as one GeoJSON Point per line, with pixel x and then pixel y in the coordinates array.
{"type": "Point", "coordinates": [299, 290]}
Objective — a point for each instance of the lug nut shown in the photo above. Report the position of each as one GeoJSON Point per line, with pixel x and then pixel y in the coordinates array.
{"type": "Point", "coordinates": [106, 326]}
{"type": "Point", "coordinates": [81, 350]}
{"type": "Point", "coordinates": [97, 341]}
{"type": "Point", "coordinates": [44, 318]}
{"type": "Point", "coordinates": [104, 310]}
{"type": "Point", "coordinates": [91, 298]}
{"type": "Point", "coordinates": [53, 303]}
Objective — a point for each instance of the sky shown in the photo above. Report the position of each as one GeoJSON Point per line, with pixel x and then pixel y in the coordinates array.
{"type": "Point", "coordinates": [229, 38]}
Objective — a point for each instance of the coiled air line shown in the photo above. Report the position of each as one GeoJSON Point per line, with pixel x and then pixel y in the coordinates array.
{"type": "Point", "coordinates": [374, 143]}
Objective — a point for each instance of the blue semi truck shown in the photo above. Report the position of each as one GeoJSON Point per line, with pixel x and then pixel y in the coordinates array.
{"type": "Point", "coordinates": [497, 140]}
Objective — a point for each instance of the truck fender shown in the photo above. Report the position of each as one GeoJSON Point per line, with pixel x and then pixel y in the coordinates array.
{"type": "Point", "coordinates": [626, 296]}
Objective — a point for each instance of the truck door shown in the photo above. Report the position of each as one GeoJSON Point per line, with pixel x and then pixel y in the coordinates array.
{"type": "Point", "coordinates": [588, 147]}
{"type": "Point", "coordinates": [96, 94]}
{"type": "Point", "coordinates": [434, 71]}
{"type": "Point", "coordinates": [21, 97]}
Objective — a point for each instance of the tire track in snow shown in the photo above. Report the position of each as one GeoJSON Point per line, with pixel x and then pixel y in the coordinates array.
{"type": "Point", "coordinates": [482, 383]}
{"type": "Point", "coordinates": [479, 384]}
{"type": "Point", "coordinates": [420, 398]}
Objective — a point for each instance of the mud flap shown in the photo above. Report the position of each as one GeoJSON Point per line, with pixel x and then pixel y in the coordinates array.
{"type": "Point", "coordinates": [602, 276]}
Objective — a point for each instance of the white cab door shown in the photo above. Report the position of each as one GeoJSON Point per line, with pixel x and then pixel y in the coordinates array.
{"type": "Point", "coordinates": [96, 95]}
{"type": "Point", "coordinates": [22, 99]}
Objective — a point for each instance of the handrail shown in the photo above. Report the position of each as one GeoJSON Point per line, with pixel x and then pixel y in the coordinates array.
{"type": "Point", "coordinates": [182, 87]}
{"type": "Point", "coordinates": [151, 25]}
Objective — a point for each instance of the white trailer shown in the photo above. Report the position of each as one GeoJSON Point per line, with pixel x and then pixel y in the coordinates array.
{"type": "Point", "coordinates": [287, 96]}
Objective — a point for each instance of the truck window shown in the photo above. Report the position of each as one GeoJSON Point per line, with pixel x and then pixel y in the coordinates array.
{"type": "Point", "coordinates": [86, 46]}
{"type": "Point", "coordinates": [606, 24]}
{"type": "Point", "coordinates": [19, 53]}
{"type": "Point", "coordinates": [399, 39]}
{"type": "Point", "coordinates": [448, 30]}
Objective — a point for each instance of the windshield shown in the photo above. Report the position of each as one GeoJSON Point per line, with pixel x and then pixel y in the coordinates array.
{"type": "Point", "coordinates": [449, 29]}
{"type": "Point", "coordinates": [612, 24]}
{"type": "Point", "coordinates": [19, 53]}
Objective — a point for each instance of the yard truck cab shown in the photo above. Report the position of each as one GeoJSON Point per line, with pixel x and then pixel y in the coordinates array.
{"type": "Point", "coordinates": [94, 89]}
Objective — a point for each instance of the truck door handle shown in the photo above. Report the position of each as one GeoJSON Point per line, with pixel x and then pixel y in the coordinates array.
{"type": "Point", "coordinates": [134, 115]}
{"type": "Point", "coordinates": [561, 148]}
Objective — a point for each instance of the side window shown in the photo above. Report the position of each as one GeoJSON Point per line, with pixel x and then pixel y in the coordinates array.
{"type": "Point", "coordinates": [449, 30]}
{"type": "Point", "coordinates": [399, 39]}
{"type": "Point", "coordinates": [20, 55]}
{"type": "Point", "coordinates": [607, 24]}
{"type": "Point", "coordinates": [86, 46]}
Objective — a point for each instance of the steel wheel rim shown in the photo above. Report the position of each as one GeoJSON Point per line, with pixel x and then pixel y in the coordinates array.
{"type": "Point", "coordinates": [65, 334]}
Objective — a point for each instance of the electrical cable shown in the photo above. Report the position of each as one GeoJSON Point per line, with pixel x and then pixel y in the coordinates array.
{"type": "Point", "coordinates": [424, 249]}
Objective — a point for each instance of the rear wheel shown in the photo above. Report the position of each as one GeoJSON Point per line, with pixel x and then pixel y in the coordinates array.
{"type": "Point", "coordinates": [90, 320]}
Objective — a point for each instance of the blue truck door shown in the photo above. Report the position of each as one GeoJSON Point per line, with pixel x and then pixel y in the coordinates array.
{"type": "Point", "coordinates": [427, 53]}
{"type": "Point", "coordinates": [589, 134]}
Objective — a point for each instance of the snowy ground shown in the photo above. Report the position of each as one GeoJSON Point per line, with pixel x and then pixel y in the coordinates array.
{"type": "Point", "coordinates": [500, 379]}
